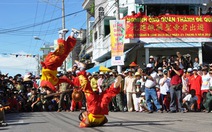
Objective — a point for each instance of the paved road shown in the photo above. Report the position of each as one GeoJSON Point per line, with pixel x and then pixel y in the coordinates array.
{"type": "Point", "coordinates": [118, 122]}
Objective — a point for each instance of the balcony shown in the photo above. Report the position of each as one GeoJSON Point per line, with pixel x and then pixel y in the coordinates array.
{"type": "Point", "coordinates": [87, 5]}
{"type": "Point", "coordinates": [146, 2]}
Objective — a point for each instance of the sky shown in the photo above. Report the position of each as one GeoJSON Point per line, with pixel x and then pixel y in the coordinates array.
{"type": "Point", "coordinates": [21, 20]}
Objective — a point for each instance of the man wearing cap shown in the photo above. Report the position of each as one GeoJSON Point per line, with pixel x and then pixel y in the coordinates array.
{"type": "Point", "coordinates": [208, 102]}
{"type": "Point", "coordinates": [176, 87]}
{"type": "Point", "coordinates": [196, 83]}
{"type": "Point", "coordinates": [150, 89]}
{"type": "Point", "coordinates": [74, 69]}
{"type": "Point", "coordinates": [152, 61]}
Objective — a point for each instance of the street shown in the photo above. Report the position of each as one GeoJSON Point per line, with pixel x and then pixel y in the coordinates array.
{"type": "Point", "coordinates": [118, 122]}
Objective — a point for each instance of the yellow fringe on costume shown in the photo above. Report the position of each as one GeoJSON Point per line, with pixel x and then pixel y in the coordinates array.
{"type": "Point", "coordinates": [50, 75]}
{"type": "Point", "coordinates": [95, 120]}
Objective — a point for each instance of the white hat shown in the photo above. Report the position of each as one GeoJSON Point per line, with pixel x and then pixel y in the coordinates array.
{"type": "Point", "coordinates": [149, 65]}
{"type": "Point", "coordinates": [77, 71]}
{"type": "Point", "coordinates": [27, 77]}
{"type": "Point", "coordinates": [111, 73]}
{"type": "Point", "coordinates": [160, 68]}
{"type": "Point", "coordinates": [151, 57]}
{"type": "Point", "coordinates": [101, 73]}
{"type": "Point", "coordinates": [195, 69]}
{"type": "Point", "coordinates": [94, 74]}
{"type": "Point", "coordinates": [189, 70]}
{"type": "Point", "coordinates": [75, 65]}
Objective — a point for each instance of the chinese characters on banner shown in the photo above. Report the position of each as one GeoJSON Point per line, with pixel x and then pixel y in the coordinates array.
{"type": "Point", "coordinates": [117, 33]}
{"type": "Point", "coordinates": [168, 26]}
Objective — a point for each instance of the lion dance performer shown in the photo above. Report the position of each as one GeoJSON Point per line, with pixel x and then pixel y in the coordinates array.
{"type": "Point", "coordinates": [54, 60]}
{"type": "Point", "coordinates": [97, 104]}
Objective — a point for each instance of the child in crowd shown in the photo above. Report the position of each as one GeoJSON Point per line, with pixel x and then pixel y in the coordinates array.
{"type": "Point", "coordinates": [143, 104]}
{"type": "Point", "coordinates": [164, 88]}
{"type": "Point", "coordinates": [185, 86]}
{"type": "Point", "coordinates": [138, 96]}
{"type": "Point", "coordinates": [190, 101]}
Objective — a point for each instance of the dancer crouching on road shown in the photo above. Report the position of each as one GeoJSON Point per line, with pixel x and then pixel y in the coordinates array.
{"type": "Point", "coordinates": [97, 104]}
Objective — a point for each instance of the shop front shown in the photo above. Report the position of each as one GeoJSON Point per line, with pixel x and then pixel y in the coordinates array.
{"type": "Point", "coordinates": [164, 35]}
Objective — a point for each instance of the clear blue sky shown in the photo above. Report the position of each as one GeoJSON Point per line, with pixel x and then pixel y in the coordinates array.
{"type": "Point", "coordinates": [23, 19]}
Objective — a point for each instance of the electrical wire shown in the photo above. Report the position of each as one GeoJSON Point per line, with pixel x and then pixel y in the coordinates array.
{"type": "Point", "coordinates": [37, 24]}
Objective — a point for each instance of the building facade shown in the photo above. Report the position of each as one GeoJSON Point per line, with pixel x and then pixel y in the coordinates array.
{"type": "Point", "coordinates": [139, 48]}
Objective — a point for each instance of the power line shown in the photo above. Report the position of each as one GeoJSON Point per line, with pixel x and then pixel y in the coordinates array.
{"type": "Point", "coordinates": [34, 25]}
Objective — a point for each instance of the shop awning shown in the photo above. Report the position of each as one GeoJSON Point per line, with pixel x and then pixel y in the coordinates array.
{"type": "Point", "coordinates": [173, 45]}
{"type": "Point", "coordinates": [194, 2]}
{"type": "Point", "coordinates": [98, 69]}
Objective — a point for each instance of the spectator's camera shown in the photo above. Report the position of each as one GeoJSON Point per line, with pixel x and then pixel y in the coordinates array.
{"type": "Point", "coordinates": [146, 71]}
{"type": "Point", "coordinates": [173, 65]}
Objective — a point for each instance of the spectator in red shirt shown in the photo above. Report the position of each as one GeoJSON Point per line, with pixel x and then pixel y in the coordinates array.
{"type": "Point", "coordinates": [196, 83]}
{"type": "Point", "coordinates": [176, 87]}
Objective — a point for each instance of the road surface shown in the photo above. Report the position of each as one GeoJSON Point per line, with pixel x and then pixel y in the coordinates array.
{"type": "Point", "coordinates": [118, 122]}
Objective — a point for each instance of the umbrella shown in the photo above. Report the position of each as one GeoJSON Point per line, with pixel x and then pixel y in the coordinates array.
{"type": "Point", "coordinates": [98, 68]}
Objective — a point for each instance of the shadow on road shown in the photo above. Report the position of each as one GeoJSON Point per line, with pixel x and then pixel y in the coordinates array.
{"type": "Point", "coordinates": [136, 123]}
{"type": "Point", "coordinates": [20, 123]}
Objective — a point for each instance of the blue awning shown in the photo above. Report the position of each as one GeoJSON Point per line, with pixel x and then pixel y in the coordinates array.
{"type": "Point", "coordinates": [173, 45]}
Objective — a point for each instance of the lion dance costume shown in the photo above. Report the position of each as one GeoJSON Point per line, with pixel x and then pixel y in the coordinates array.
{"type": "Point", "coordinates": [97, 104]}
{"type": "Point", "coordinates": [54, 60]}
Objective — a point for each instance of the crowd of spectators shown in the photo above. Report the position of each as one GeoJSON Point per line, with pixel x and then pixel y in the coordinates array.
{"type": "Point", "coordinates": [174, 84]}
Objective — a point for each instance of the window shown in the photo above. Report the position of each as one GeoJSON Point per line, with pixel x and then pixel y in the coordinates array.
{"type": "Point", "coordinates": [95, 36]}
{"type": "Point", "coordinates": [101, 12]}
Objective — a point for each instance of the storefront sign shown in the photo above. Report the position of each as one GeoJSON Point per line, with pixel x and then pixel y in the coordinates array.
{"type": "Point", "coordinates": [168, 26]}
{"type": "Point", "coordinates": [117, 32]}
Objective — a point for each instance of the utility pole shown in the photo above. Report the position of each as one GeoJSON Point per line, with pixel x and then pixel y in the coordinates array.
{"type": "Point", "coordinates": [119, 68]}
{"type": "Point", "coordinates": [117, 10]}
{"type": "Point", "coordinates": [63, 27]}
{"type": "Point", "coordinates": [63, 17]}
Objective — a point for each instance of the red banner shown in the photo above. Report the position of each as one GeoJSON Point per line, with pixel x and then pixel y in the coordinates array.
{"type": "Point", "coordinates": [168, 26]}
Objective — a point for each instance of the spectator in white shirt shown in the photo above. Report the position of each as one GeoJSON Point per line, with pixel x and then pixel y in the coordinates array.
{"type": "Point", "coordinates": [190, 101]}
{"type": "Point", "coordinates": [150, 89]}
{"type": "Point", "coordinates": [164, 88]}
